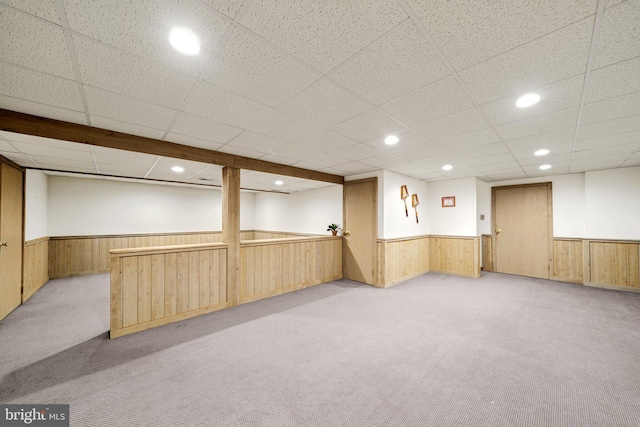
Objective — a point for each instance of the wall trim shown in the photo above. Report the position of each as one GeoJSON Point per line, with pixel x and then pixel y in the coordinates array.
{"type": "Point", "coordinates": [36, 241]}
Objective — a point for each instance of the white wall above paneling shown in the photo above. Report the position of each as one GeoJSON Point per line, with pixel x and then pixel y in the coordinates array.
{"type": "Point", "coordinates": [36, 205]}
{"type": "Point", "coordinates": [396, 223]}
{"type": "Point", "coordinates": [460, 220]}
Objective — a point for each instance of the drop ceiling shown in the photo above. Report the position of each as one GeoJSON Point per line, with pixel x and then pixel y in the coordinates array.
{"type": "Point", "coordinates": [319, 85]}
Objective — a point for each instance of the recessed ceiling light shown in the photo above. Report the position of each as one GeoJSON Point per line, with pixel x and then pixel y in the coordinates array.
{"type": "Point", "coordinates": [543, 167]}
{"type": "Point", "coordinates": [278, 182]}
{"type": "Point", "coordinates": [447, 167]}
{"type": "Point", "coordinates": [527, 100]}
{"type": "Point", "coordinates": [177, 169]}
{"type": "Point", "coordinates": [391, 140]}
{"type": "Point", "coordinates": [542, 152]}
{"type": "Point", "coordinates": [184, 41]}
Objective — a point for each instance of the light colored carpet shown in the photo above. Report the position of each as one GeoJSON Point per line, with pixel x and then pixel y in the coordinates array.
{"type": "Point", "coordinates": [435, 351]}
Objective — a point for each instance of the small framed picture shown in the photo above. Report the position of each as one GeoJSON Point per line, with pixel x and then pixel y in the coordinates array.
{"type": "Point", "coordinates": [448, 202]}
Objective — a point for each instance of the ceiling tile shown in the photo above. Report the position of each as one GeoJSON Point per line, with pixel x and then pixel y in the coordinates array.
{"type": "Point", "coordinates": [279, 159]}
{"type": "Point", "coordinates": [466, 31]}
{"type": "Point", "coordinates": [610, 127]}
{"type": "Point", "coordinates": [65, 164]}
{"type": "Point", "coordinates": [608, 141]}
{"type": "Point", "coordinates": [162, 170]}
{"type": "Point", "coordinates": [615, 80]}
{"type": "Point", "coordinates": [557, 96]}
{"type": "Point", "coordinates": [435, 163]}
{"type": "Point", "coordinates": [322, 161]}
{"type": "Point", "coordinates": [19, 158]}
{"type": "Point", "coordinates": [367, 126]}
{"type": "Point", "coordinates": [122, 170]}
{"type": "Point", "coordinates": [419, 152]}
{"type": "Point", "coordinates": [474, 153]}
{"type": "Point", "coordinates": [256, 142]}
{"type": "Point", "coordinates": [257, 71]}
{"type": "Point", "coordinates": [327, 141]}
{"type": "Point", "coordinates": [438, 99]}
{"type": "Point", "coordinates": [455, 124]}
{"type": "Point", "coordinates": [550, 58]}
{"type": "Point", "coordinates": [354, 167]}
{"type": "Point", "coordinates": [540, 124]}
{"type": "Point", "coordinates": [597, 153]}
{"type": "Point", "coordinates": [296, 152]}
{"type": "Point", "coordinates": [633, 160]}
{"type": "Point", "coordinates": [227, 107]}
{"type": "Point", "coordinates": [7, 147]}
{"type": "Point", "coordinates": [142, 28]}
{"type": "Point", "coordinates": [327, 36]}
{"type": "Point", "coordinates": [553, 159]}
{"type": "Point", "coordinates": [122, 108]}
{"type": "Point", "coordinates": [325, 104]}
{"type": "Point", "coordinates": [228, 7]}
{"type": "Point", "coordinates": [126, 74]}
{"type": "Point", "coordinates": [613, 108]}
{"type": "Point", "coordinates": [42, 110]}
{"type": "Point", "coordinates": [42, 9]}
{"type": "Point", "coordinates": [619, 36]}
{"type": "Point", "coordinates": [470, 140]}
{"type": "Point", "coordinates": [191, 141]}
{"type": "Point", "coordinates": [39, 87]}
{"type": "Point", "coordinates": [34, 150]}
{"type": "Point", "coordinates": [109, 156]}
{"type": "Point", "coordinates": [34, 44]}
{"type": "Point", "coordinates": [239, 151]}
{"type": "Point", "coordinates": [501, 166]}
{"type": "Point", "coordinates": [393, 66]}
{"type": "Point", "coordinates": [114, 125]}
{"type": "Point", "coordinates": [358, 152]}
{"type": "Point", "coordinates": [557, 142]}
{"type": "Point", "coordinates": [382, 161]}
{"type": "Point", "coordinates": [204, 129]}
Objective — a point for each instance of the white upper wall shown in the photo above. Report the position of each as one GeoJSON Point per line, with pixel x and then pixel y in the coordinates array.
{"type": "Point", "coordinates": [307, 212]}
{"type": "Point", "coordinates": [483, 207]}
{"type": "Point", "coordinates": [396, 224]}
{"type": "Point", "coordinates": [613, 204]}
{"type": "Point", "coordinates": [453, 221]}
{"type": "Point", "coordinates": [81, 206]}
{"type": "Point", "coordinates": [36, 212]}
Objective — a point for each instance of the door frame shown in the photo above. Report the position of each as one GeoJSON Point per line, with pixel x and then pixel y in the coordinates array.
{"type": "Point", "coordinates": [494, 257]}
{"type": "Point", "coordinates": [374, 252]}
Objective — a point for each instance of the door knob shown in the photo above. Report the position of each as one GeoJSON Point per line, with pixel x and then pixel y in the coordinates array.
{"type": "Point", "coordinates": [498, 231]}
{"type": "Point", "coordinates": [4, 244]}
{"type": "Point", "coordinates": [346, 233]}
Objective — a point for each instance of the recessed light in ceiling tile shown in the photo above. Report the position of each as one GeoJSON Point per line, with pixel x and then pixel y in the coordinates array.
{"type": "Point", "coordinates": [447, 167]}
{"type": "Point", "coordinates": [391, 140]}
{"type": "Point", "coordinates": [177, 169]}
{"type": "Point", "coordinates": [278, 182]}
{"type": "Point", "coordinates": [542, 152]}
{"type": "Point", "coordinates": [544, 167]}
{"type": "Point", "coordinates": [527, 100]}
{"type": "Point", "coordinates": [184, 41]}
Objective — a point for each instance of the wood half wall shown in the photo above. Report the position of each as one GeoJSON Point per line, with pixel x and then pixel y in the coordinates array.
{"type": "Point", "coordinates": [151, 287]}
{"type": "Point", "coordinates": [455, 255]}
{"type": "Point", "coordinates": [275, 266]}
{"type": "Point", "coordinates": [36, 266]}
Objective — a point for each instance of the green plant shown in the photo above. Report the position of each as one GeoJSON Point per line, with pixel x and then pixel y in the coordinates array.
{"type": "Point", "coordinates": [333, 227]}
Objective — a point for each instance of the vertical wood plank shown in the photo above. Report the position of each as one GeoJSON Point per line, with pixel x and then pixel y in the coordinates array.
{"type": "Point", "coordinates": [170, 284]}
{"type": "Point", "coordinates": [144, 288]}
{"type": "Point", "coordinates": [157, 286]}
{"type": "Point", "coordinates": [116, 294]}
{"type": "Point", "coordinates": [129, 291]}
{"type": "Point", "coordinates": [205, 279]}
{"type": "Point", "coordinates": [182, 283]}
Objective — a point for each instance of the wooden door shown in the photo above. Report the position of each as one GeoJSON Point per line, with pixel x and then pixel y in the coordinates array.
{"type": "Point", "coordinates": [11, 199]}
{"type": "Point", "coordinates": [523, 230]}
{"type": "Point", "coordinates": [360, 228]}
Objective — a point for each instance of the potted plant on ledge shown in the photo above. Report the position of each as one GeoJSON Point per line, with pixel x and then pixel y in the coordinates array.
{"type": "Point", "coordinates": [334, 229]}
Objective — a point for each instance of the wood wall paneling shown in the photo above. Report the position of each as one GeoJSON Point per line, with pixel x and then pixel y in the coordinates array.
{"type": "Point", "coordinates": [455, 255]}
{"type": "Point", "coordinates": [615, 264]}
{"type": "Point", "coordinates": [36, 266]}
{"type": "Point", "coordinates": [487, 252]}
{"type": "Point", "coordinates": [154, 287]}
{"type": "Point", "coordinates": [401, 259]}
{"type": "Point", "coordinates": [568, 260]}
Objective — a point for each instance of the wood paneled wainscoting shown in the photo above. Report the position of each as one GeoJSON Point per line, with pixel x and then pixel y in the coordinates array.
{"type": "Point", "coordinates": [80, 255]}
{"type": "Point", "coordinates": [36, 266]}
{"type": "Point", "coordinates": [568, 260]}
{"type": "Point", "coordinates": [613, 264]}
{"type": "Point", "coordinates": [151, 287]}
{"type": "Point", "coordinates": [401, 259]}
{"type": "Point", "coordinates": [455, 255]}
{"type": "Point", "coordinates": [275, 266]}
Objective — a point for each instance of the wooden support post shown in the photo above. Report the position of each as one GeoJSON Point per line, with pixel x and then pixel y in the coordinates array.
{"type": "Point", "coordinates": [231, 230]}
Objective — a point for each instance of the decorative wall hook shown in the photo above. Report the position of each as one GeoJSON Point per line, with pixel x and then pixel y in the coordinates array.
{"type": "Point", "coordinates": [414, 203]}
{"type": "Point", "coordinates": [404, 193]}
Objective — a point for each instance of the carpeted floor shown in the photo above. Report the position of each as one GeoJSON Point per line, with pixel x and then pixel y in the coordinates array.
{"type": "Point", "coordinates": [434, 351]}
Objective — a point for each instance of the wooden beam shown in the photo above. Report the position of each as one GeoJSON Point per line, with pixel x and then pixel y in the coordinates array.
{"type": "Point", "coordinates": [12, 121]}
{"type": "Point", "coordinates": [231, 230]}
